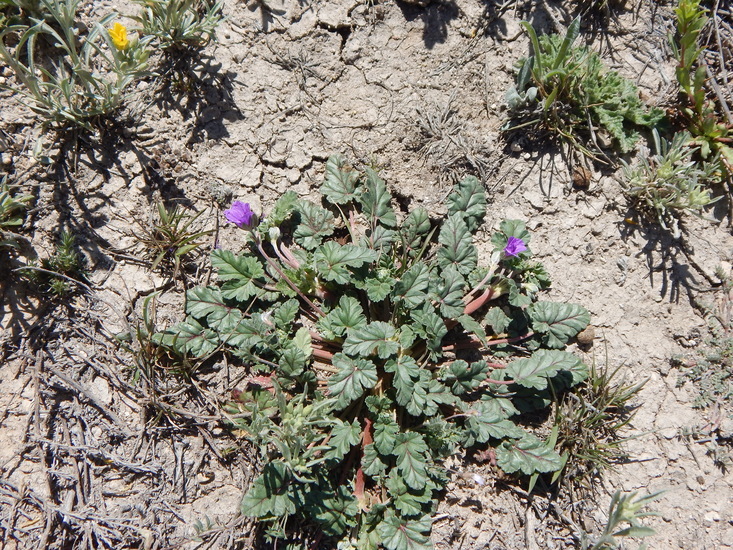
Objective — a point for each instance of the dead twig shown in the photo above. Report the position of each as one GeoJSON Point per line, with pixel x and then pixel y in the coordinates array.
{"type": "Point", "coordinates": [91, 398]}
{"type": "Point", "coordinates": [108, 459]}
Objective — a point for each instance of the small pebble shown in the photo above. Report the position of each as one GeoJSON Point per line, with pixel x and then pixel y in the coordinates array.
{"type": "Point", "coordinates": [582, 177]}
{"type": "Point", "coordinates": [586, 337]}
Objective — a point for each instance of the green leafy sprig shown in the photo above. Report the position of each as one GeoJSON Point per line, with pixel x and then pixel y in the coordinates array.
{"type": "Point", "coordinates": [567, 90]}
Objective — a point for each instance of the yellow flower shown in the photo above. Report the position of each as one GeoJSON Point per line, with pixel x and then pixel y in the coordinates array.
{"type": "Point", "coordinates": [118, 34]}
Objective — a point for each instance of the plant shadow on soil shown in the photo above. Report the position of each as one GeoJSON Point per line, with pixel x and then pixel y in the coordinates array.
{"type": "Point", "coordinates": [198, 88]}
{"type": "Point", "coordinates": [436, 18]}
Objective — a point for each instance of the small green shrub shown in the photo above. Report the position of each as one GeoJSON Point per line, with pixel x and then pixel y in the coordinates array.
{"type": "Point", "coordinates": [57, 274]}
{"type": "Point", "coordinates": [711, 371]}
{"type": "Point", "coordinates": [589, 421]}
{"type": "Point", "coordinates": [180, 23]}
{"type": "Point", "coordinates": [10, 213]}
{"type": "Point", "coordinates": [171, 237]}
{"type": "Point", "coordinates": [710, 133]}
{"type": "Point", "coordinates": [18, 10]}
{"type": "Point", "coordinates": [76, 78]}
{"type": "Point", "coordinates": [671, 181]}
{"type": "Point", "coordinates": [566, 90]}
{"type": "Point", "coordinates": [378, 346]}
{"type": "Point", "coordinates": [624, 509]}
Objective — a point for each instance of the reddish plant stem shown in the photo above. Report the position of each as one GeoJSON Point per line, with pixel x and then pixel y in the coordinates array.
{"type": "Point", "coordinates": [478, 303]}
{"type": "Point", "coordinates": [288, 281]}
{"type": "Point", "coordinates": [322, 354]}
{"type": "Point", "coordinates": [510, 340]}
{"type": "Point", "coordinates": [294, 263]}
{"type": "Point", "coordinates": [359, 482]}
{"type": "Point", "coordinates": [474, 343]}
{"type": "Point", "coordinates": [501, 382]}
{"type": "Point", "coordinates": [283, 258]}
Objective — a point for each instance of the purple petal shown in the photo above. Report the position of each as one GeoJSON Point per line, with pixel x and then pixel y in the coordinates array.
{"type": "Point", "coordinates": [514, 246]}
{"type": "Point", "coordinates": [239, 214]}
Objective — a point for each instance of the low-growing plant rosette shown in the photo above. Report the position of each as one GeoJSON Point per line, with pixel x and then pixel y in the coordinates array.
{"type": "Point", "coordinates": [377, 346]}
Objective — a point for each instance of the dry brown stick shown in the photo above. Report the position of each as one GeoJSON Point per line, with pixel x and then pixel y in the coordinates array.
{"type": "Point", "coordinates": [98, 367]}
{"type": "Point", "coordinates": [41, 452]}
{"type": "Point", "coordinates": [210, 441]}
{"type": "Point", "coordinates": [96, 402]}
{"type": "Point", "coordinates": [105, 457]}
{"type": "Point", "coordinates": [79, 485]}
{"type": "Point", "coordinates": [10, 526]}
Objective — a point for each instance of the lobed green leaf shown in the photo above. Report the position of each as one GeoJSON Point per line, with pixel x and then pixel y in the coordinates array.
{"type": "Point", "coordinates": [333, 260]}
{"type": "Point", "coordinates": [339, 186]}
{"type": "Point", "coordinates": [269, 496]}
{"type": "Point", "coordinates": [412, 458]}
{"type": "Point", "coordinates": [458, 249]}
{"type": "Point", "coordinates": [375, 201]}
{"type": "Point", "coordinates": [400, 534]}
{"type": "Point", "coordinates": [527, 455]}
{"type": "Point", "coordinates": [535, 371]}
{"type": "Point", "coordinates": [355, 376]}
{"type": "Point", "coordinates": [558, 322]}
{"type": "Point", "coordinates": [316, 223]}
{"type": "Point", "coordinates": [469, 200]}
{"type": "Point", "coordinates": [376, 336]}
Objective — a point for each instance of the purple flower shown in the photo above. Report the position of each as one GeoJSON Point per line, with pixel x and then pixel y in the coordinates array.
{"type": "Point", "coordinates": [514, 246]}
{"type": "Point", "coordinates": [240, 214]}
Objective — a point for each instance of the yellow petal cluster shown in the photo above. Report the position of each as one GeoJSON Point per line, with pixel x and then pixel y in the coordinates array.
{"type": "Point", "coordinates": [118, 34]}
